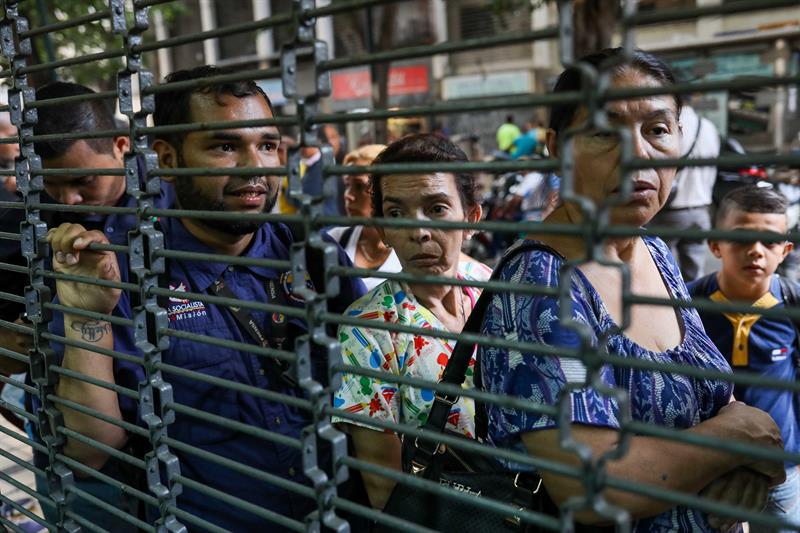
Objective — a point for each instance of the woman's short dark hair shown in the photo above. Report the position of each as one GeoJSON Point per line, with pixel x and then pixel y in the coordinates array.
{"type": "Point", "coordinates": [562, 115]}
{"type": "Point", "coordinates": [752, 199]}
{"type": "Point", "coordinates": [424, 148]}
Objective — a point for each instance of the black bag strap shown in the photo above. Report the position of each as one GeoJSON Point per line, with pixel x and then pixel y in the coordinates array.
{"type": "Point", "coordinates": [456, 370]}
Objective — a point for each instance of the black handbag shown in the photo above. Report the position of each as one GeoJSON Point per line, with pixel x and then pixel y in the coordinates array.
{"type": "Point", "coordinates": [461, 471]}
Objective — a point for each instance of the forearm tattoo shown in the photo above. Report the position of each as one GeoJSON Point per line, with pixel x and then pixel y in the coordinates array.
{"type": "Point", "coordinates": [92, 330]}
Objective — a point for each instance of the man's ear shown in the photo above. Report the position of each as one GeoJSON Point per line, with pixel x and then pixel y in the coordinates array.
{"type": "Point", "coordinates": [474, 214]}
{"type": "Point", "coordinates": [551, 141]}
{"type": "Point", "coordinates": [787, 248]}
{"type": "Point", "coordinates": [121, 146]}
{"type": "Point", "coordinates": [167, 156]}
{"type": "Point", "coordinates": [714, 247]}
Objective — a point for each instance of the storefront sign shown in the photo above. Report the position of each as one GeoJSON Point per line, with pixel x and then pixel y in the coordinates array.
{"type": "Point", "coordinates": [356, 84]}
{"type": "Point", "coordinates": [490, 84]}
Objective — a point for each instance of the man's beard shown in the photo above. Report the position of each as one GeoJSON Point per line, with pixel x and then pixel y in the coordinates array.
{"type": "Point", "coordinates": [188, 198]}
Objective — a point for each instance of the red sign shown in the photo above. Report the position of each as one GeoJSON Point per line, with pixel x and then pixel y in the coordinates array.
{"type": "Point", "coordinates": [356, 84]}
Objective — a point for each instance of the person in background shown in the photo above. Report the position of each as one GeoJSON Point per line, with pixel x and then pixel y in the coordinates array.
{"type": "Point", "coordinates": [526, 144]}
{"type": "Point", "coordinates": [422, 251]}
{"type": "Point", "coordinates": [660, 398]}
{"type": "Point", "coordinates": [364, 245]}
{"type": "Point", "coordinates": [751, 342]}
{"type": "Point", "coordinates": [690, 204]}
{"type": "Point", "coordinates": [506, 134]}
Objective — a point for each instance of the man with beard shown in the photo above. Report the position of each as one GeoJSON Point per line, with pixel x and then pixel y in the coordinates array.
{"type": "Point", "coordinates": [196, 386]}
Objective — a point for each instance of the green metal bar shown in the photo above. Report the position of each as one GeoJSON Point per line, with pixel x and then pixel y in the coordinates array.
{"type": "Point", "coordinates": [238, 387]}
{"type": "Point", "coordinates": [82, 60]}
{"type": "Point", "coordinates": [227, 423]}
{"type": "Point", "coordinates": [10, 236]}
{"type": "Point", "coordinates": [13, 268]}
{"type": "Point", "coordinates": [278, 481]}
{"type": "Point", "coordinates": [255, 74]}
{"type": "Point", "coordinates": [231, 302]}
{"type": "Point", "coordinates": [199, 522]}
{"type": "Point", "coordinates": [344, 6]}
{"type": "Point", "coordinates": [283, 355]}
{"type": "Point", "coordinates": [96, 474]}
{"type": "Point", "coordinates": [26, 465]}
{"type": "Point", "coordinates": [244, 27]}
{"type": "Point", "coordinates": [266, 514]}
{"type": "Point", "coordinates": [505, 39]}
{"type": "Point", "coordinates": [72, 23]}
{"type": "Point", "coordinates": [277, 264]}
{"type": "Point", "coordinates": [12, 297]}
{"type": "Point", "coordinates": [19, 384]}
{"type": "Point", "coordinates": [92, 348]}
{"type": "Point", "coordinates": [37, 446]}
{"type": "Point", "coordinates": [729, 8]}
{"type": "Point", "coordinates": [214, 126]}
{"type": "Point", "coordinates": [84, 135]}
{"type": "Point", "coordinates": [11, 526]}
{"type": "Point", "coordinates": [83, 522]}
{"type": "Point", "coordinates": [85, 209]}
{"type": "Point", "coordinates": [202, 172]}
{"type": "Point", "coordinates": [100, 504]}
{"type": "Point", "coordinates": [113, 452]}
{"type": "Point", "coordinates": [217, 215]}
{"type": "Point", "coordinates": [127, 426]}
{"type": "Point", "coordinates": [24, 488]}
{"type": "Point", "coordinates": [91, 281]}
{"type": "Point", "coordinates": [22, 510]}
{"type": "Point", "coordinates": [94, 381]}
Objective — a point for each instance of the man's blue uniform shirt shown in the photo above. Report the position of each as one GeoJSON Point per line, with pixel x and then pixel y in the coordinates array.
{"type": "Point", "coordinates": [191, 316]}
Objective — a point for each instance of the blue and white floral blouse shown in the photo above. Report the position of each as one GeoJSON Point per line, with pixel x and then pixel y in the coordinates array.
{"type": "Point", "coordinates": [658, 398]}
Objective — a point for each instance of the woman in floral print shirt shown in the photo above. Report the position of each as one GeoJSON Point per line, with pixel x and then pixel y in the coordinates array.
{"type": "Point", "coordinates": [423, 252]}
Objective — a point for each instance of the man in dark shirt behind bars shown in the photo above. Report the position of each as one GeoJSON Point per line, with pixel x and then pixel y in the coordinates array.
{"type": "Point", "coordinates": [200, 389]}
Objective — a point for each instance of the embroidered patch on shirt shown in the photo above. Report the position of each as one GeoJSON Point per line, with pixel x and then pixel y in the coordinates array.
{"type": "Point", "coordinates": [184, 309]}
{"type": "Point", "coordinates": [779, 354]}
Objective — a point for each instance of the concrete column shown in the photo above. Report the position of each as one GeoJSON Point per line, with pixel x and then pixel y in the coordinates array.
{"type": "Point", "coordinates": [438, 17]}
{"type": "Point", "coordinates": [325, 29]}
{"type": "Point", "coordinates": [208, 21]}
{"type": "Point", "coordinates": [264, 47]}
{"type": "Point", "coordinates": [780, 105]}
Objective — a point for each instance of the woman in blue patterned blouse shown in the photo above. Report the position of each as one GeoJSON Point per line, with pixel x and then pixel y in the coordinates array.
{"type": "Point", "coordinates": [654, 334]}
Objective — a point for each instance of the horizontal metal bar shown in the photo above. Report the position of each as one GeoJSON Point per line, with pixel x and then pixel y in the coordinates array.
{"type": "Point", "coordinates": [12, 297]}
{"type": "Point", "coordinates": [14, 268]}
{"type": "Point", "coordinates": [26, 489]}
{"type": "Point", "coordinates": [285, 484]}
{"type": "Point", "coordinates": [108, 480]}
{"type": "Point", "coordinates": [260, 351]}
{"type": "Point", "coordinates": [11, 526]}
{"type": "Point", "coordinates": [71, 62]}
{"type": "Point", "coordinates": [278, 264]}
{"type": "Point", "coordinates": [87, 209]}
{"type": "Point", "coordinates": [10, 236]}
{"type": "Point", "coordinates": [737, 84]}
{"type": "Point", "coordinates": [90, 281]}
{"type": "Point", "coordinates": [450, 47]}
{"type": "Point", "coordinates": [524, 101]}
{"type": "Point", "coordinates": [15, 356]}
{"type": "Point", "coordinates": [195, 521]}
{"type": "Point", "coordinates": [111, 319]}
{"type": "Point", "coordinates": [94, 381]}
{"type": "Point", "coordinates": [235, 425]}
{"type": "Point", "coordinates": [218, 215]}
{"type": "Point", "coordinates": [12, 205]}
{"type": "Point", "coordinates": [19, 411]}
{"type": "Point", "coordinates": [214, 126]}
{"type": "Point", "coordinates": [295, 312]}
{"type": "Point", "coordinates": [401, 169]}
{"type": "Point", "coordinates": [75, 136]}
{"type": "Point", "coordinates": [255, 74]}
{"type": "Point", "coordinates": [266, 514]}
{"type": "Point", "coordinates": [480, 340]}
{"type": "Point", "coordinates": [92, 348]}
{"type": "Point", "coordinates": [20, 509]}
{"type": "Point", "coordinates": [345, 7]}
{"type": "Point", "coordinates": [140, 4]}
{"type": "Point", "coordinates": [452, 390]}
{"type": "Point", "coordinates": [244, 27]}
{"type": "Point", "coordinates": [78, 98]}
{"type": "Point", "coordinates": [71, 23]}
{"type": "Point", "coordinates": [741, 161]}
{"type": "Point", "coordinates": [26, 465]}
{"type": "Point", "coordinates": [218, 171]}
{"type": "Point", "coordinates": [692, 13]}
{"type": "Point", "coordinates": [91, 526]}
{"type": "Point", "coordinates": [96, 444]}
{"type": "Point", "coordinates": [8, 380]}
{"type": "Point", "coordinates": [127, 426]}
{"type": "Point", "coordinates": [77, 172]}
{"type": "Point", "coordinates": [25, 328]}
{"type": "Point", "coordinates": [234, 385]}
{"type": "Point", "coordinates": [379, 516]}
{"type": "Point", "coordinates": [36, 446]}
{"type": "Point", "coordinates": [100, 504]}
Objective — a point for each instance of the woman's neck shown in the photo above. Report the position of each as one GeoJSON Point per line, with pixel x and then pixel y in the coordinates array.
{"type": "Point", "coordinates": [437, 298]}
{"type": "Point", "coordinates": [371, 252]}
{"type": "Point", "coordinates": [574, 246]}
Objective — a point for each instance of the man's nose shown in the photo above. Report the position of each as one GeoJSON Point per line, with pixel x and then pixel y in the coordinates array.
{"type": "Point", "coordinates": [70, 196]}
{"type": "Point", "coordinates": [756, 249]}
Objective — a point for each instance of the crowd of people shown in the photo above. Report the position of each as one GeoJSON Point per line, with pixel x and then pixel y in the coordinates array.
{"type": "Point", "coordinates": [392, 314]}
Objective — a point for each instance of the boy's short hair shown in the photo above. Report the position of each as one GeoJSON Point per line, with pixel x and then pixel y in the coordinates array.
{"type": "Point", "coordinates": [752, 199]}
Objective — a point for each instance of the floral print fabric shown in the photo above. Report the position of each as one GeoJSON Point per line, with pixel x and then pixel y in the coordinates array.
{"type": "Point", "coordinates": [401, 354]}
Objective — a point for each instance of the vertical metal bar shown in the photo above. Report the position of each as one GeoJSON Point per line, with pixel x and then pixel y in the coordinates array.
{"type": "Point", "coordinates": [59, 476]}
{"type": "Point", "coordinates": [163, 468]}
